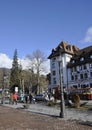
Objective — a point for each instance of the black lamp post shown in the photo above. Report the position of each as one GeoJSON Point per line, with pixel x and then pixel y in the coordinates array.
{"type": "Point", "coordinates": [62, 104]}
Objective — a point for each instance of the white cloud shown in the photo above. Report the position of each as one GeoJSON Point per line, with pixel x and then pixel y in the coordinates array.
{"type": "Point", "coordinates": [88, 37]}
{"type": "Point", "coordinates": [5, 61]}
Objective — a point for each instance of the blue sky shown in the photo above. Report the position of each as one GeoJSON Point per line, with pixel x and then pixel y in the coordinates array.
{"type": "Point", "coordinates": [28, 25]}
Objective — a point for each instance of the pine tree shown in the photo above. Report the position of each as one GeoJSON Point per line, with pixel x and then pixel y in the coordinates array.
{"type": "Point", "coordinates": [15, 73]}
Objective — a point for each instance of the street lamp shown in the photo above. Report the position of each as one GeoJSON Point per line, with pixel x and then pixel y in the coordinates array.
{"type": "Point", "coordinates": [62, 104]}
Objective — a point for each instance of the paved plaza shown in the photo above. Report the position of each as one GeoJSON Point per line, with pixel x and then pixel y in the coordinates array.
{"type": "Point", "coordinates": [14, 117]}
{"type": "Point", "coordinates": [71, 114]}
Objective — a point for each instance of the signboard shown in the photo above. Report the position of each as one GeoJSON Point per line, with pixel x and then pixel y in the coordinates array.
{"type": "Point", "coordinates": [16, 89]}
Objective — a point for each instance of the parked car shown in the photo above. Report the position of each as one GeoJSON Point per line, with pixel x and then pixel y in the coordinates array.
{"type": "Point", "coordinates": [40, 97]}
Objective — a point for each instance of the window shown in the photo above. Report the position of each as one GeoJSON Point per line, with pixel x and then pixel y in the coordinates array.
{"type": "Point", "coordinates": [85, 75]}
{"type": "Point", "coordinates": [90, 74]}
{"type": "Point", "coordinates": [85, 67]}
{"type": "Point", "coordinates": [81, 76]}
{"type": "Point", "coordinates": [76, 77]}
{"type": "Point", "coordinates": [71, 69]}
{"type": "Point", "coordinates": [72, 77]}
{"type": "Point", "coordinates": [54, 73]}
{"type": "Point", "coordinates": [82, 59]}
{"type": "Point", "coordinates": [91, 56]}
{"type": "Point", "coordinates": [68, 48]}
{"type": "Point", "coordinates": [90, 65]}
{"type": "Point", "coordinates": [53, 65]}
{"type": "Point", "coordinates": [54, 80]}
{"type": "Point", "coordinates": [73, 61]}
{"type": "Point", "coordinates": [80, 67]}
{"type": "Point", "coordinates": [75, 68]}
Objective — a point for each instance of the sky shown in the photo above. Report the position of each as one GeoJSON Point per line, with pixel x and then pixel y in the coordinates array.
{"type": "Point", "coordinates": [28, 25]}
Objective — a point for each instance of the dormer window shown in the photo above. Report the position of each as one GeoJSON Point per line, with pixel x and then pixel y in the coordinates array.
{"type": "Point", "coordinates": [90, 65]}
{"type": "Point", "coordinates": [82, 59]}
{"type": "Point", "coordinates": [68, 48]}
{"type": "Point", "coordinates": [91, 56]}
{"type": "Point", "coordinates": [60, 49]}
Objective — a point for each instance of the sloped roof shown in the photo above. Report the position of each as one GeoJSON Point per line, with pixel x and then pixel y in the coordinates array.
{"type": "Point", "coordinates": [83, 53]}
{"type": "Point", "coordinates": [85, 50]}
{"type": "Point", "coordinates": [63, 47]}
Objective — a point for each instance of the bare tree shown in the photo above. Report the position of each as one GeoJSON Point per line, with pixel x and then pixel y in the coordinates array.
{"type": "Point", "coordinates": [36, 63]}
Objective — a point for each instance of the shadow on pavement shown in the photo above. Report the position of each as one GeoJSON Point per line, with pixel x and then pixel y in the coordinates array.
{"type": "Point", "coordinates": [89, 123]}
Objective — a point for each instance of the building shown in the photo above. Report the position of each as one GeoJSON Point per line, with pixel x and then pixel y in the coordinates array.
{"type": "Point", "coordinates": [59, 59]}
{"type": "Point", "coordinates": [80, 69]}
{"type": "Point", "coordinates": [72, 65]}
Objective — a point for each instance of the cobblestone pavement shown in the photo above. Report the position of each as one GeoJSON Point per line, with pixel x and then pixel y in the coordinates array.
{"type": "Point", "coordinates": [19, 119]}
{"type": "Point", "coordinates": [70, 113]}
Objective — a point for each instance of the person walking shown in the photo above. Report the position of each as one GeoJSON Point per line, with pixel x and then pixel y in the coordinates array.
{"type": "Point", "coordinates": [30, 98]}
{"type": "Point", "coordinates": [15, 98]}
{"type": "Point", "coordinates": [3, 97]}
{"type": "Point", "coordinates": [11, 98]}
{"type": "Point", "coordinates": [26, 98]}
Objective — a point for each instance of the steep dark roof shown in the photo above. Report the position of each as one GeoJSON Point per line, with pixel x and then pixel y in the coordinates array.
{"type": "Point", "coordinates": [83, 53]}
{"type": "Point", "coordinates": [63, 47]}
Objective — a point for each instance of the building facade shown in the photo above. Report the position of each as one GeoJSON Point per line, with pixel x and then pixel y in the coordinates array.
{"type": "Point", "coordinates": [80, 69]}
{"type": "Point", "coordinates": [59, 59]}
{"type": "Point", "coordinates": [72, 65]}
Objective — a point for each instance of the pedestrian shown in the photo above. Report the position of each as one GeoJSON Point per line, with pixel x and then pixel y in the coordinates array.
{"type": "Point", "coordinates": [26, 98]}
{"type": "Point", "coordinates": [3, 97]}
{"type": "Point", "coordinates": [30, 98]}
{"type": "Point", "coordinates": [15, 98]}
{"type": "Point", "coordinates": [11, 98]}
{"type": "Point", "coordinates": [49, 96]}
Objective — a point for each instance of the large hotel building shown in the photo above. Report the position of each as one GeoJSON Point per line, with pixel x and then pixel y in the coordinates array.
{"type": "Point", "coordinates": [72, 65]}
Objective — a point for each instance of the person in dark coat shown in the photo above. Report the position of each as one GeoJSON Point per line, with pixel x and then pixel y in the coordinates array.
{"type": "Point", "coordinates": [30, 98]}
{"type": "Point", "coordinates": [26, 98]}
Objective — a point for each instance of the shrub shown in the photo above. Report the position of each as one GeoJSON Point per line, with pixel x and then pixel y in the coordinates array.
{"type": "Point", "coordinates": [51, 103]}
{"type": "Point", "coordinates": [76, 100]}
